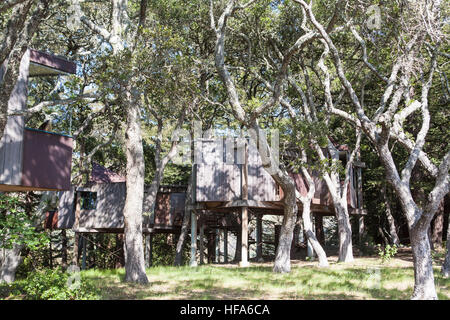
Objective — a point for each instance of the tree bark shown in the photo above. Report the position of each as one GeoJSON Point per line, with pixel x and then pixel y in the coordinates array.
{"type": "Point", "coordinates": [10, 261]}
{"type": "Point", "coordinates": [424, 288]}
{"type": "Point", "coordinates": [133, 244]}
{"type": "Point", "coordinates": [283, 255]}
{"type": "Point", "coordinates": [392, 228]}
{"type": "Point", "coordinates": [345, 232]}
{"type": "Point", "coordinates": [307, 224]}
{"type": "Point", "coordinates": [185, 226]}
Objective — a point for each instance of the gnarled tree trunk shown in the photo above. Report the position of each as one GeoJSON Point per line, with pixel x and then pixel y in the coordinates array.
{"type": "Point", "coordinates": [283, 255]}
{"type": "Point", "coordinates": [307, 224]}
{"type": "Point", "coordinates": [345, 232]}
{"type": "Point", "coordinates": [424, 288]}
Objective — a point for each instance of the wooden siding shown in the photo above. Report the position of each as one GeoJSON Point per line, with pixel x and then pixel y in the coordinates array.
{"type": "Point", "coordinates": [108, 213]}
{"type": "Point", "coordinates": [66, 209]}
{"type": "Point", "coordinates": [47, 160]}
{"type": "Point", "coordinates": [219, 180]}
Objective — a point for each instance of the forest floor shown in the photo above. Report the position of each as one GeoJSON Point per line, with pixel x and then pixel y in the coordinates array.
{"type": "Point", "coordinates": [365, 278]}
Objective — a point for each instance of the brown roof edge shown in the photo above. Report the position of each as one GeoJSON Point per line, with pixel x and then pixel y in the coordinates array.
{"type": "Point", "coordinates": [52, 61]}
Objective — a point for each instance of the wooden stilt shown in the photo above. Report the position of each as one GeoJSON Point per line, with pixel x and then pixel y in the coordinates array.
{"type": "Point", "coordinates": [83, 263]}
{"type": "Point", "coordinates": [150, 253]}
{"type": "Point", "coordinates": [244, 249]}
{"type": "Point", "coordinates": [319, 229]}
{"type": "Point", "coordinates": [259, 233]}
{"type": "Point", "coordinates": [193, 262]}
{"type": "Point", "coordinates": [361, 229]}
{"type": "Point", "coordinates": [147, 250]}
{"type": "Point", "coordinates": [76, 224]}
{"type": "Point", "coordinates": [225, 245]}
{"type": "Point", "coordinates": [64, 249]}
{"type": "Point", "coordinates": [202, 243]}
{"type": "Point", "coordinates": [217, 246]}
{"type": "Point", "coordinates": [244, 213]}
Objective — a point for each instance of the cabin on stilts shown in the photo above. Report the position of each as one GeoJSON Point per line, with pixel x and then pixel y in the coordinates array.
{"type": "Point", "coordinates": [230, 179]}
{"type": "Point", "coordinates": [32, 159]}
{"type": "Point", "coordinates": [97, 207]}
{"type": "Point", "coordinates": [230, 188]}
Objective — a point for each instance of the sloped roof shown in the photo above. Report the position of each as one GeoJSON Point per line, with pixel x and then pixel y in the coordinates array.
{"type": "Point", "coordinates": [101, 174]}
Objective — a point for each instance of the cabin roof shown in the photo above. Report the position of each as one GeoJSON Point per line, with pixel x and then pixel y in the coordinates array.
{"type": "Point", "coordinates": [45, 64]}
{"type": "Point", "coordinates": [101, 175]}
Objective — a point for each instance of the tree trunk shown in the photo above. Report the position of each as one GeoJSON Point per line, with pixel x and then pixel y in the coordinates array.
{"type": "Point", "coordinates": [10, 261]}
{"type": "Point", "coordinates": [446, 265]}
{"type": "Point", "coordinates": [345, 233]}
{"type": "Point", "coordinates": [185, 225]}
{"type": "Point", "coordinates": [133, 244]}
{"type": "Point", "coordinates": [392, 229]}
{"type": "Point", "coordinates": [307, 224]}
{"type": "Point", "coordinates": [283, 255]}
{"type": "Point", "coordinates": [424, 288]}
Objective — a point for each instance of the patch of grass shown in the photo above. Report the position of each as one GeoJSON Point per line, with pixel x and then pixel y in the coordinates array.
{"type": "Point", "coordinates": [366, 278]}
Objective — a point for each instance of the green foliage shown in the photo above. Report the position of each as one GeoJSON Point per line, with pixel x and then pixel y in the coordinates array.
{"type": "Point", "coordinates": [16, 226]}
{"type": "Point", "coordinates": [53, 285]}
{"type": "Point", "coordinates": [164, 249]}
{"type": "Point", "coordinates": [387, 253]}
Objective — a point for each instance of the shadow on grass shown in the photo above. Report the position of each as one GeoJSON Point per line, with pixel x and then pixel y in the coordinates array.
{"type": "Point", "coordinates": [259, 282]}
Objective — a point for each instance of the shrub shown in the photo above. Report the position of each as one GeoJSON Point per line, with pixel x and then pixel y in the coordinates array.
{"type": "Point", "coordinates": [387, 252]}
{"type": "Point", "coordinates": [53, 285]}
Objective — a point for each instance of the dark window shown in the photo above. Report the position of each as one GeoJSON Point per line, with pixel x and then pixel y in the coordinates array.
{"type": "Point", "coordinates": [88, 200]}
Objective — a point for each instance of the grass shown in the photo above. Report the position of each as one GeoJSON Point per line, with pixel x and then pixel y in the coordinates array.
{"type": "Point", "coordinates": [366, 278]}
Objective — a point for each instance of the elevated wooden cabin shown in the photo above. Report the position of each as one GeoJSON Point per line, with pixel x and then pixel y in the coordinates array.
{"type": "Point", "coordinates": [229, 178]}
{"type": "Point", "coordinates": [32, 159]}
{"type": "Point", "coordinates": [98, 206]}
{"type": "Point", "coordinates": [219, 181]}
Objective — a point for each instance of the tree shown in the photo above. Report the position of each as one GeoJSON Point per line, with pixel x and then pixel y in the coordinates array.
{"type": "Point", "coordinates": [388, 119]}
{"type": "Point", "coordinates": [20, 29]}
{"type": "Point", "coordinates": [120, 38]}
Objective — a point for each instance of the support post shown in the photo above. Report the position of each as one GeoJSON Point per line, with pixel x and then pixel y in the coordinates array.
{"type": "Point", "coordinates": [83, 263]}
{"type": "Point", "coordinates": [217, 246]}
{"type": "Point", "coordinates": [244, 212]}
{"type": "Point", "coordinates": [259, 232]}
{"type": "Point", "coordinates": [147, 250]}
{"type": "Point", "coordinates": [64, 249]}
{"type": "Point", "coordinates": [225, 245]}
{"type": "Point", "coordinates": [361, 229]}
{"type": "Point", "coordinates": [193, 262]}
{"type": "Point", "coordinates": [76, 225]}
{"type": "Point", "coordinates": [244, 250]}
{"type": "Point", "coordinates": [319, 229]}
{"type": "Point", "coordinates": [150, 257]}
{"type": "Point", "coordinates": [202, 243]}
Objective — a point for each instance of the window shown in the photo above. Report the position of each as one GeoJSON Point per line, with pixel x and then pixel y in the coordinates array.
{"type": "Point", "coordinates": [88, 200]}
